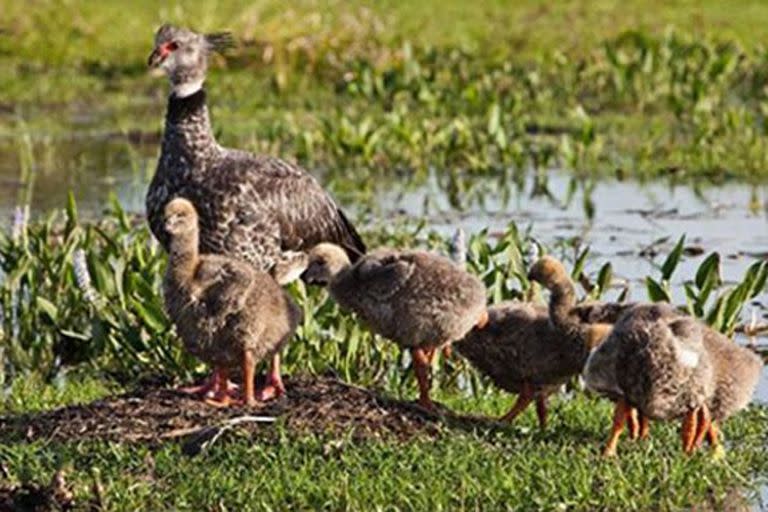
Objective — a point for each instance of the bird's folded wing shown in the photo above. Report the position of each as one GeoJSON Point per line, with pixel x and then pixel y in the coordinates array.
{"type": "Point", "coordinates": [382, 277]}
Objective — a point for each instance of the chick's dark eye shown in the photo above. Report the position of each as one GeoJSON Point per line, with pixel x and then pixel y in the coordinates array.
{"type": "Point", "coordinates": [173, 45]}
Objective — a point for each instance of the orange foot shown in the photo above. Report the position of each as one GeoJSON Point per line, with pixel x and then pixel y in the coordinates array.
{"type": "Point", "coordinates": [221, 396]}
{"type": "Point", "coordinates": [633, 423]}
{"type": "Point", "coordinates": [221, 401]}
{"type": "Point", "coordinates": [271, 389]}
{"type": "Point", "coordinates": [206, 388]}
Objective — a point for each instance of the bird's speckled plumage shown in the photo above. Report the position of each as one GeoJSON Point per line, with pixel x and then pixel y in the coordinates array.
{"type": "Point", "coordinates": [669, 365]}
{"type": "Point", "coordinates": [533, 350]}
{"type": "Point", "coordinates": [421, 301]}
{"type": "Point", "coordinates": [221, 306]}
{"type": "Point", "coordinates": [413, 298]}
{"type": "Point", "coordinates": [256, 208]}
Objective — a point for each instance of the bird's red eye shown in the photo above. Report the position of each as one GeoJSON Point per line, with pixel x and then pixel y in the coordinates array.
{"type": "Point", "coordinates": [167, 48]}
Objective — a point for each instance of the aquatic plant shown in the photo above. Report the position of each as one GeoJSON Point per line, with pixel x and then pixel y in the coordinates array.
{"type": "Point", "coordinates": [77, 293]}
{"type": "Point", "coordinates": [706, 296]}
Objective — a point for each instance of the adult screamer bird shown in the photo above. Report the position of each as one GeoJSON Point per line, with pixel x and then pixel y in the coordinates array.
{"type": "Point", "coordinates": [253, 207]}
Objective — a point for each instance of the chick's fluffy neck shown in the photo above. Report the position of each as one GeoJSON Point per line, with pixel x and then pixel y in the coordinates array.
{"type": "Point", "coordinates": [340, 271]}
{"type": "Point", "coordinates": [561, 302]}
{"type": "Point", "coordinates": [183, 256]}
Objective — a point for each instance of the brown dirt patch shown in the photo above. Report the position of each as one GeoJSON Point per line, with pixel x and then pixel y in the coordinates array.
{"type": "Point", "coordinates": [318, 405]}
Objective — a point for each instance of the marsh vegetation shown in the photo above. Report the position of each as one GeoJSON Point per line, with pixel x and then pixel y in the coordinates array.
{"type": "Point", "coordinates": [597, 133]}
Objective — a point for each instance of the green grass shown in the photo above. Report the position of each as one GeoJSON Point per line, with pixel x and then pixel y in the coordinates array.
{"type": "Point", "coordinates": [77, 32]}
{"type": "Point", "coordinates": [520, 468]}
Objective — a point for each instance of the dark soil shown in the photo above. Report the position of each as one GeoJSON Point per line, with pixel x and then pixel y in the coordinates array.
{"type": "Point", "coordinates": [317, 405]}
{"type": "Point", "coordinates": [32, 497]}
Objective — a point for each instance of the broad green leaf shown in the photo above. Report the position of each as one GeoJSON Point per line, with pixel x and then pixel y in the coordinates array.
{"type": "Point", "coordinates": [670, 264]}
{"type": "Point", "coordinates": [655, 291]}
{"type": "Point", "coordinates": [72, 217]}
{"type": "Point", "coordinates": [692, 300]}
{"type": "Point", "coordinates": [708, 270]}
{"type": "Point", "coordinates": [578, 266]}
{"type": "Point", "coordinates": [604, 278]}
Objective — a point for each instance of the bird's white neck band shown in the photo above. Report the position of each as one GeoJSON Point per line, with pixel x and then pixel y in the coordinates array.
{"type": "Point", "coordinates": [187, 89]}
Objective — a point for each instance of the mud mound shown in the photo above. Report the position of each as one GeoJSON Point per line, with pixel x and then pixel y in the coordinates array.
{"type": "Point", "coordinates": [321, 405]}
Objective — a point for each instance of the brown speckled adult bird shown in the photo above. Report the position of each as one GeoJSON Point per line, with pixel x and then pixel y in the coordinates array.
{"type": "Point", "coordinates": [256, 208]}
{"type": "Point", "coordinates": [670, 365]}
{"type": "Point", "coordinates": [419, 300]}
{"type": "Point", "coordinates": [226, 313]}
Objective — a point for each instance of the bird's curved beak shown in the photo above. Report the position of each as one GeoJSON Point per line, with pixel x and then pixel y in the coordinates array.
{"type": "Point", "coordinates": [158, 55]}
{"type": "Point", "coordinates": [155, 58]}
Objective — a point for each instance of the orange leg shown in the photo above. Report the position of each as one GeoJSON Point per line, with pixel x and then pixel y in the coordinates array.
{"type": "Point", "coordinates": [645, 426]}
{"type": "Point", "coordinates": [274, 386]}
{"type": "Point", "coordinates": [688, 432]}
{"type": "Point", "coordinates": [713, 435]}
{"type": "Point", "coordinates": [620, 415]}
{"type": "Point", "coordinates": [633, 423]}
{"type": "Point", "coordinates": [524, 399]}
{"type": "Point", "coordinates": [221, 396]}
{"type": "Point", "coordinates": [703, 422]}
{"type": "Point", "coordinates": [482, 321]}
{"type": "Point", "coordinates": [249, 367]}
{"type": "Point", "coordinates": [541, 410]}
{"type": "Point", "coordinates": [422, 366]}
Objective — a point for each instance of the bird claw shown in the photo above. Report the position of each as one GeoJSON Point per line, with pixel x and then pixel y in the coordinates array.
{"type": "Point", "coordinates": [270, 391]}
{"type": "Point", "coordinates": [207, 388]}
{"type": "Point", "coordinates": [220, 402]}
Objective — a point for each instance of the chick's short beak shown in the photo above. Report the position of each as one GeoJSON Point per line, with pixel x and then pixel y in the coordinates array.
{"type": "Point", "coordinates": [309, 277]}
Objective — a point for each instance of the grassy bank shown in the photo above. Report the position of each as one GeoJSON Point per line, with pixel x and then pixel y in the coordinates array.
{"type": "Point", "coordinates": [518, 468]}
{"type": "Point", "coordinates": [81, 308]}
